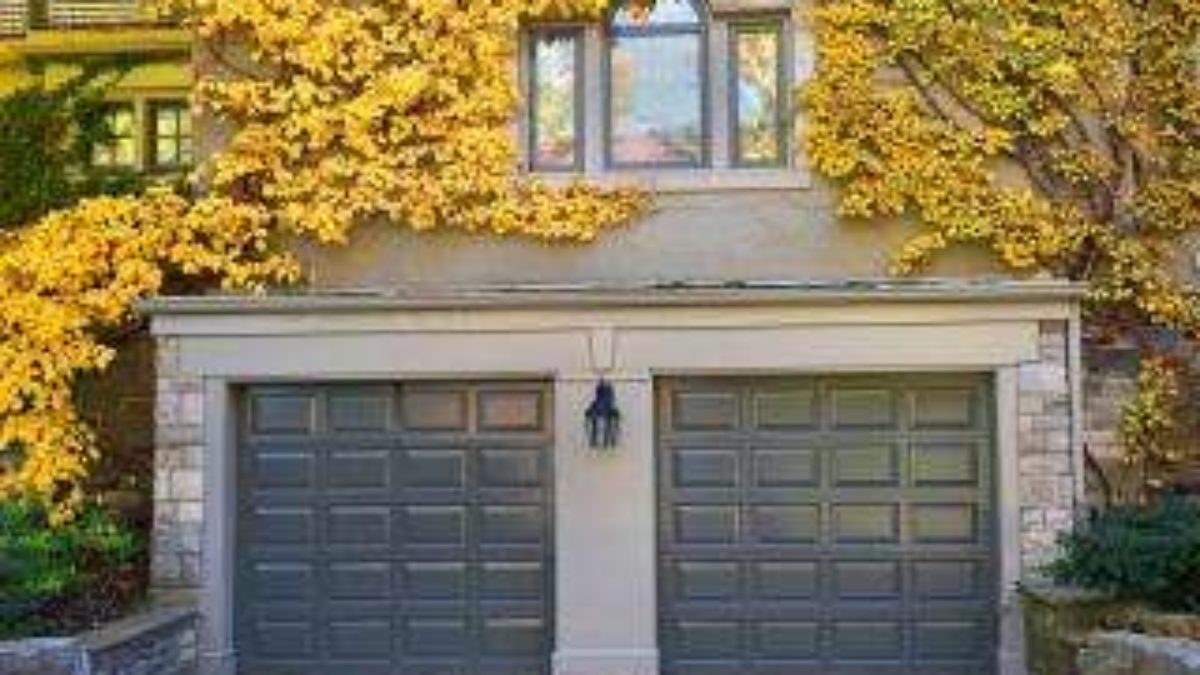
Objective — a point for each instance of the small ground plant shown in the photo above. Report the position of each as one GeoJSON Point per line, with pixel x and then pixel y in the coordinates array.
{"type": "Point", "coordinates": [1145, 553]}
{"type": "Point", "coordinates": [59, 579]}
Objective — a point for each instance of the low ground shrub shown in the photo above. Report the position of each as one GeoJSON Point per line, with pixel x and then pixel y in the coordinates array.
{"type": "Point", "coordinates": [1148, 554]}
{"type": "Point", "coordinates": [63, 578]}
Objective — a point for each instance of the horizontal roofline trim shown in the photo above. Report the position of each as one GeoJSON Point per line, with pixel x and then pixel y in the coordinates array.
{"type": "Point", "coordinates": [683, 294]}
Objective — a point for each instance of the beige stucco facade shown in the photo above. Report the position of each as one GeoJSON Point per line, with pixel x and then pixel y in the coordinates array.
{"type": "Point", "coordinates": [732, 273]}
{"type": "Point", "coordinates": [1024, 335]}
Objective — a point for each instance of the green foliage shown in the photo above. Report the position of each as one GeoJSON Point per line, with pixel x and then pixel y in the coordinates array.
{"type": "Point", "coordinates": [46, 141]}
{"type": "Point", "coordinates": [61, 578]}
{"type": "Point", "coordinates": [1143, 553]}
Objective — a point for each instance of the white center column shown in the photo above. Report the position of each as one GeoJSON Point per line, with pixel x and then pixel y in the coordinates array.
{"type": "Point", "coordinates": [606, 605]}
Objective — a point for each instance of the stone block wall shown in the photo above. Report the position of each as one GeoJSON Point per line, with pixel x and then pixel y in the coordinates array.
{"type": "Point", "coordinates": [1132, 654]}
{"type": "Point", "coordinates": [1047, 463]}
{"type": "Point", "coordinates": [159, 641]}
{"type": "Point", "coordinates": [178, 475]}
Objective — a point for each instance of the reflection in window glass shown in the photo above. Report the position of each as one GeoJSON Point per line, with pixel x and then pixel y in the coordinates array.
{"type": "Point", "coordinates": [171, 134]}
{"type": "Point", "coordinates": [663, 13]}
{"type": "Point", "coordinates": [656, 86]}
{"type": "Point", "coordinates": [120, 148]}
{"type": "Point", "coordinates": [758, 110]}
{"type": "Point", "coordinates": [554, 129]}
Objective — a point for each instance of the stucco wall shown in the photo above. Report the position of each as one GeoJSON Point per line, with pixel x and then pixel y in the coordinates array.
{"type": "Point", "coordinates": [724, 235]}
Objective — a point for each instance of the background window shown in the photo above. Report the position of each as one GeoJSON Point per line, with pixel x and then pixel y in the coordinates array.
{"type": "Point", "coordinates": [171, 134]}
{"type": "Point", "coordinates": [656, 85]}
{"type": "Point", "coordinates": [758, 95]}
{"type": "Point", "coordinates": [554, 101]}
{"type": "Point", "coordinates": [119, 150]}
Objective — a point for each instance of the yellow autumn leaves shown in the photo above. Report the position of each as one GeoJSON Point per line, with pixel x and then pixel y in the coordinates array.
{"type": "Point", "coordinates": [338, 112]}
{"type": "Point", "coordinates": [397, 110]}
{"type": "Point", "coordinates": [75, 274]}
{"type": "Point", "coordinates": [1063, 136]}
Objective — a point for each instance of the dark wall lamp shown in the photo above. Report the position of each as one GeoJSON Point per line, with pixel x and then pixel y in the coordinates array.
{"type": "Point", "coordinates": [603, 418]}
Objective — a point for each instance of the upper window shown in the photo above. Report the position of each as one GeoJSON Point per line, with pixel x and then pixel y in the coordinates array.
{"type": "Point", "coordinates": [170, 135]}
{"type": "Point", "coordinates": [656, 85]}
{"type": "Point", "coordinates": [757, 98]}
{"type": "Point", "coordinates": [660, 85]}
{"type": "Point", "coordinates": [119, 149]}
{"type": "Point", "coordinates": [555, 105]}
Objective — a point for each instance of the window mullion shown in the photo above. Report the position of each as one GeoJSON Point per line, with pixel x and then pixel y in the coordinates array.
{"type": "Point", "coordinates": [594, 100]}
{"type": "Point", "coordinates": [718, 107]}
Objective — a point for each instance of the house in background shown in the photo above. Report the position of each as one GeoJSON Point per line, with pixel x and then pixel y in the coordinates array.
{"type": "Point", "coordinates": [816, 470]}
{"type": "Point", "coordinates": [42, 41]}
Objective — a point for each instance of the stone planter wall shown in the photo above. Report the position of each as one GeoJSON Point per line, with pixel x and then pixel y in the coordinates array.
{"type": "Point", "coordinates": [1076, 632]}
{"type": "Point", "coordinates": [1133, 654]}
{"type": "Point", "coordinates": [156, 642]}
{"type": "Point", "coordinates": [1058, 622]}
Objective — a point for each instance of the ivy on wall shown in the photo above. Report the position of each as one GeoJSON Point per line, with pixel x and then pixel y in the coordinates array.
{"type": "Point", "coordinates": [46, 140]}
{"type": "Point", "coordinates": [1063, 136]}
{"type": "Point", "coordinates": [341, 111]}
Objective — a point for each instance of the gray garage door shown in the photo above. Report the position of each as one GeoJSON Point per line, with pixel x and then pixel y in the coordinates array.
{"type": "Point", "coordinates": [840, 526]}
{"type": "Point", "coordinates": [394, 529]}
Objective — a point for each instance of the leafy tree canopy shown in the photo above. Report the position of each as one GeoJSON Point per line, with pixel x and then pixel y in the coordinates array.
{"type": "Point", "coordinates": [1062, 135]}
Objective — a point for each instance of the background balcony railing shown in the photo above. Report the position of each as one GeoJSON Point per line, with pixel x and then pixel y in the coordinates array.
{"type": "Point", "coordinates": [14, 17]}
{"type": "Point", "coordinates": [18, 17]}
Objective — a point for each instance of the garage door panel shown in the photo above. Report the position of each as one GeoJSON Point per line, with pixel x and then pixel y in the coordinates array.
{"type": "Point", "coordinates": [787, 640]}
{"type": "Point", "coordinates": [946, 463]}
{"type": "Point", "coordinates": [786, 468]}
{"type": "Point", "coordinates": [855, 407]}
{"type": "Point", "coordinates": [282, 468]}
{"type": "Point", "coordinates": [791, 408]}
{"type": "Point", "coordinates": [834, 525]}
{"type": "Point", "coordinates": [784, 524]}
{"type": "Point", "coordinates": [394, 528]}
{"type": "Point", "coordinates": [359, 410]}
{"type": "Point", "coordinates": [943, 579]}
{"type": "Point", "coordinates": [515, 410]}
{"type": "Point", "coordinates": [867, 640]}
{"type": "Point", "coordinates": [784, 581]}
{"type": "Point", "coordinates": [283, 412]}
{"type": "Point", "coordinates": [946, 523]}
{"type": "Point", "coordinates": [359, 469]}
{"type": "Point", "coordinates": [866, 580]}
{"type": "Point", "coordinates": [865, 523]}
{"type": "Point", "coordinates": [434, 408]}
{"type": "Point", "coordinates": [865, 464]}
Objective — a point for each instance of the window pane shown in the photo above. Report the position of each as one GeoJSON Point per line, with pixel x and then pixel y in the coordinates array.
{"type": "Point", "coordinates": [759, 110]}
{"type": "Point", "coordinates": [126, 152]}
{"type": "Point", "coordinates": [121, 122]}
{"type": "Point", "coordinates": [120, 150]}
{"type": "Point", "coordinates": [656, 99]}
{"type": "Point", "coordinates": [166, 122]}
{"type": "Point", "coordinates": [664, 12]}
{"type": "Point", "coordinates": [172, 134]}
{"type": "Point", "coordinates": [166, 153]}
{"type": "Point", "coordinates": [554, 100]}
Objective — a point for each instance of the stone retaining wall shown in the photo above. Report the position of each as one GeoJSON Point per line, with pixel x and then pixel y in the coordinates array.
{"type": "Point", "coordinates": [156, 642]}
{"type": "Point", "coordinates": [1133, 654]}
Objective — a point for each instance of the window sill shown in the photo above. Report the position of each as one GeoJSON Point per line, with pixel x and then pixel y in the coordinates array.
{"type": "Point", "coordinates": [688, 180]}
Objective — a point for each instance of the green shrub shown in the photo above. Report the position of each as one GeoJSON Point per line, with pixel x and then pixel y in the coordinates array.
{"type": "Point", "coordinates": [1147, 554]}
{"type": "Point", "coordinates": [63, 578]}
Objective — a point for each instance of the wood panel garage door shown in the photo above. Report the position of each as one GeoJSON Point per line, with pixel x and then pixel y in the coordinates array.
{"type": "Point", "coordinates": [394, 529]}
{"type": "Point", "coordinates": [840, 526]}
